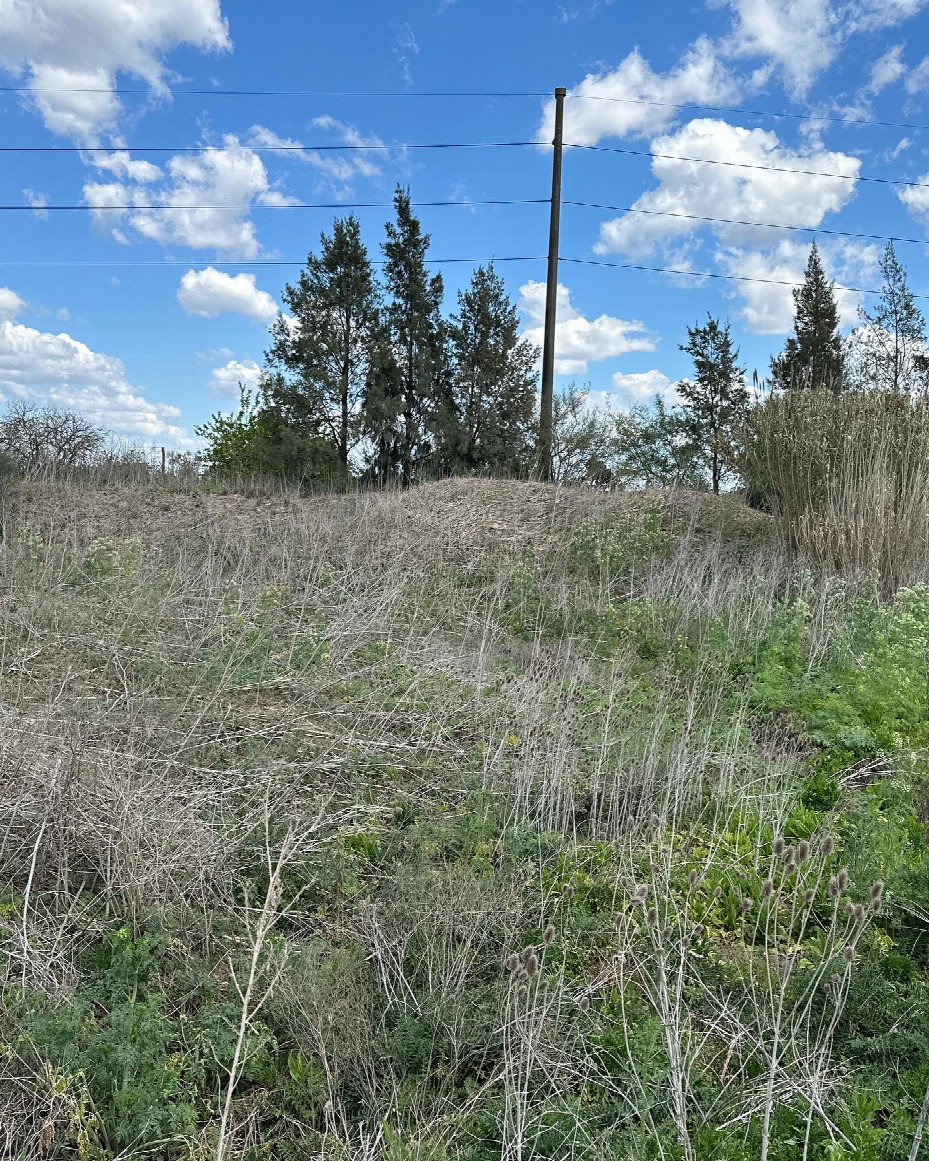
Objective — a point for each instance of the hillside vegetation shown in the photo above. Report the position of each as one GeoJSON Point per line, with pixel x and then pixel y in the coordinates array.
{"type": "Point", "coordinates": [482, 820]}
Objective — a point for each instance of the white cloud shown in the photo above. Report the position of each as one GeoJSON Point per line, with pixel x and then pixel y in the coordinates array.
{"type": "Point", "coordinates": [211, 292]}
{"type": "Point", "coordinates": [38, 201]}
{"type": "Point", "coordinates": [886, 70]}
{"type": "Point", "coordinates": [62, 372]}
{"type": "Point", "coordinates": [122, 165]}
{"type": "Point", "coordinates": [11, 305]}
{"type": "Point", "coordinates": [916, 199]}
{"type": "Point", "coordinates": [227, 380]}
{"type": "Point", "coordinates": [640, 387]}
{"type": "Point", "coordinates": [339, 170]}
{"type": "Point", "coordinates": [615, 104]}
{"type": "Point", "coordinates": [768, 307]}
{"type": "Point", "coordinates": [63, 314]}
{"type": "Point", "coordinates": [800, 38]}
{"type": "Point", "coordinates": [405, 48]}
{"type": "Point", "coordinates": [729, 191]}
{"type": "Point", "coordinates": [84, 44]}
{"type": "Point", "coordinates": [578, 340]}
{"type": "Point", "coordinates": [232, 177]}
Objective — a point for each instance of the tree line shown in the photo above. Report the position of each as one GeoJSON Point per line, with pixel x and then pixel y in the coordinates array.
{"type": "Point", "coordinates": [366, 378]}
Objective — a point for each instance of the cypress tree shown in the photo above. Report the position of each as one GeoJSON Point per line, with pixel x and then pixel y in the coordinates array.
{"type": "Point", "coordinates": [493, 381]}
{"type": "Point", "coordinates": [889, 345]}
{"type": "Point", "coordinates": [813, 355]}
{"type": "Point", "coordinates": [416, 335]}
{"type": "Point", "coordinates": [717, 398]}
{"type": "Point", "coordinates": [319, 357]}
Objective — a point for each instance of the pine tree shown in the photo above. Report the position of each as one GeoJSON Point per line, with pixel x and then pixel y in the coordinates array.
{"type": "Point", "coordinates": [414, 321]}
{"type": "Point", "coordinates": [813, 356]}
{"type": "Point", "coordinates": [318, 360]}
{"type": "Point", "coordinates": [382, 414]}
{"type": "Point", "coordinates": [888, 349]}
{"type": "Point", "coordinates": [717, 398]}
{"type": "Point", "coordinates": [493, 381]}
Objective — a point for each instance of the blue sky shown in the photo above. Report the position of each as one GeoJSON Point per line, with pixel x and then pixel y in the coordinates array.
{"type": "Point", "coordinates": [170, 308]}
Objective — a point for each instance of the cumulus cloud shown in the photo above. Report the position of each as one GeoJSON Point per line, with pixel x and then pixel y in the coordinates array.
{"type": "Point", "coordinates": [768, 306]}
{"type": "Point", "coordinates": [227, 380]}
{"type": "Point", "coordinates": [618, 103]}
{"type": "Point", "coordinates": [728, 191]}
{"type": "Point", "coordinates": [579, 340]}
{"type": "Point", "coordinates": [638, 387]}
{"type": "Point", "coordinates": [212, 292]}
{"type": "Point", "coordinates": [60, 371]}
{"type": "Point", "coordinates": [801, 38]}
{"type": "Point", "coordinates": [83, 44]}
{"type": "Point", "coordinates": [195, 185]}
{"type": "Point", "coordinates": [11, 305]}
{"type": "Point", "coordinates": [916, 199]}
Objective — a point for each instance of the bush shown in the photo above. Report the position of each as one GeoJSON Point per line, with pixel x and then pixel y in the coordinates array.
{"type": "Point", "coordinates": [848, 476]}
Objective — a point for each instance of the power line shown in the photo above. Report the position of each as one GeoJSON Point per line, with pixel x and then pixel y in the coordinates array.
{"type": "Point", "coordinates": [288, 148]}
{"type": "Point", "coordinates": [752, 112]}
{"type": "Point", "coordinates": [273, 92]}
{"type": "Point", "coordinates": [709, 274]}
{"type": "Point", "coordinates": [40, 209]}
{"type": "Point", "coordinates": [463, 94]}
{"type": "Point", "coordinates": [743, 222]}
{"type": "Point", "coordinates": [747, 165]}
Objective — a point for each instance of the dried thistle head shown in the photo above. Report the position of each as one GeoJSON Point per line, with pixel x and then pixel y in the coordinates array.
{"type": "Point", "coordinates": [875, 906]}
{"type": "Point", "coordinates": [827, 846]}
{"type": "Point", "coordinates": [803, 851]}
{"type": "Point", "coordinates": [527, 953]}
{"type": "Point", "coordinates": [778, 847]}
{"type": "Point", "coordinates": [651, 916]}
{"type": "Point", "coordinates": [767, 889]}
{"type": "Point", "coordinates": [877, 889]}
{"type": "Point", "coordinates": [858, 912]}
{"type": "Point", "coordinates": [842, 878]}
{"type": "Point", "coordinates": [532, 964]}
{"type": "Point", "coordinates": [548, 935]}
{"type": "Point", "coordinates": [512, 962]}
{"type": "Point", "coordinates": [788, 856]}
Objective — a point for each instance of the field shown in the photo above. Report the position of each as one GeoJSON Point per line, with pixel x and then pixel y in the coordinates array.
{"type": "Point", "coordinates": [485, 820]}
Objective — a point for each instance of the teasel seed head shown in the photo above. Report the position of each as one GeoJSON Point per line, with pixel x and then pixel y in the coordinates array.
{"type": "Point", "coordinates": [808, 896]}
{"type": "Point", "coordinates": [876, 905]}
{"type": "Point", "coordinates": [651, 917]}
{"type": "Point", "coordinates": [584, 1003]}
{"type": "Point", "coordinates": [848, 954]}
{"type": "Point", "coordinates": [543, 985]}
{"type": "Point", "coordinates": [788, 856]}
{"type": "Point", "coordinates": [641, 892]}
{"type": "Point", "coordinates": [827, 846]}
{"type": "Point", "coordinates": [843, 878]}
{"type": "Point", "coordinates": [717, 892]}
{"type": "Point", "coordinates": [746, 905]}
{"type": "Point", "coordinates": [849, 909]}
{"type": "Point", "coordinates": [778, 846]}
{"type": "Point", "coordinates": [803, 851]}
{"type": "Point", "coordinates": [666, 934]}
{"type": "Point", "coordinates": [548, 935]}
{"type": "Point", "coordinates": [698, 930]}
{"type": "Point", "coordinates": [512, 962]}
{"type": "Point", "coordinates": [527, 953]}
{"type": "Point", "coordinates": [532, 964]}
{"type": "Point", "coordinates": [567, 891]}
{"type": "Point", "coordinates": [692, 878]}
{"type": "Point", "coordinates": [858, 912]}
{"type": "Point", "coordinates": [877, 889]}
{"type": "Point", "coordinates": [767, 889]}
{"type": "Point", "coordinates": [834, 980]}
{"type": "Point", "coordinates": [834, 887]}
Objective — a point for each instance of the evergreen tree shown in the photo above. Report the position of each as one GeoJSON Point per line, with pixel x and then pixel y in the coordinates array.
{"type": "Point", "coordinates": [319, 357]}
{"type": "Point", "coordinates": [416, 334]}
{"type": "Point", "coordinates": [382, 413]}
{"type": "Point", "coordinates": [493, 381]}
{"type": "Point", "coordinates": [717, 398]}
{"type": "Point", "coordinates": [888, 349]}
{"type": "Point", "coordinates": [813, 356]}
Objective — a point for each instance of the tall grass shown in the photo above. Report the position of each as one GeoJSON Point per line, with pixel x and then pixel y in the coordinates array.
{"type": "Point", "coordinates": [847, 475]}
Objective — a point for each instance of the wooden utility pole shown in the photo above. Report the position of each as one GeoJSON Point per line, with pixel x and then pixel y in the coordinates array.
{"type": "Point", "coordinates": [551, 298]}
